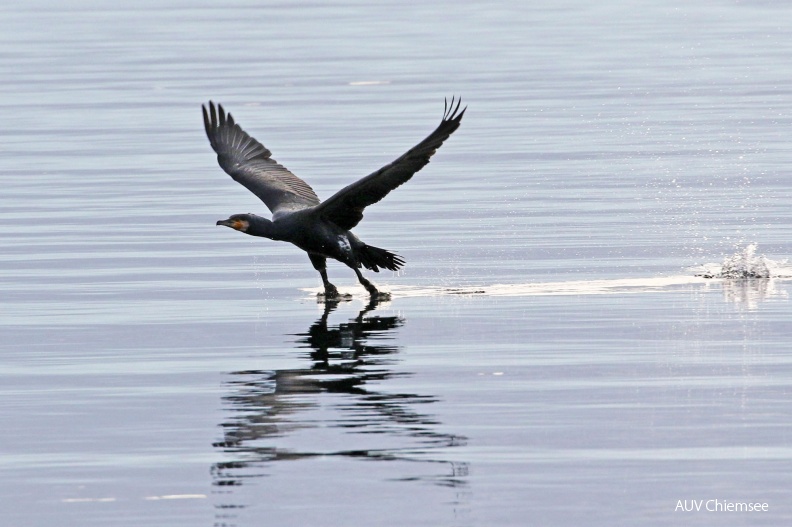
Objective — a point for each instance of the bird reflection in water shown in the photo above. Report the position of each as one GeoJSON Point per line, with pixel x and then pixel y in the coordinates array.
{"type": "Point", "coordinates": [348, 362]}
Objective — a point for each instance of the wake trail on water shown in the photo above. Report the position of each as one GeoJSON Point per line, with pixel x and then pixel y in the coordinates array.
{"type": "Point", "coordinates": [571, 287]}
{"type": "Point", "coordinates": [743, 265]}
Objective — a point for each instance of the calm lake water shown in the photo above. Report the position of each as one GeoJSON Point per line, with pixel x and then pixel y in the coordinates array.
{"type": "Point", "coordinates": [548, 357]}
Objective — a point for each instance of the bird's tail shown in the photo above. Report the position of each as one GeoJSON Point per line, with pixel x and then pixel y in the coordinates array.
{"type": "Point", "coordinates": [373, 258]}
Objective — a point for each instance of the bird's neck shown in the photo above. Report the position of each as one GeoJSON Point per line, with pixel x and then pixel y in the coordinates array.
{"type": "Point", "coordinates": [258, 226]}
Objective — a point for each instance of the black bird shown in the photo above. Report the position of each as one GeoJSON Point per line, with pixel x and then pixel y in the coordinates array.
{"type": "Point", "coordinates": [322, 229]}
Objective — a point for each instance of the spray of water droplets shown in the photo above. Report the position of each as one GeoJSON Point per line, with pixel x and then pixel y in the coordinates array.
{"type": "Point", "coordinates": [746, 264]}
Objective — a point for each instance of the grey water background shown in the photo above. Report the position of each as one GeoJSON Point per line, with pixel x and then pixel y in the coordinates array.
{"type": "Point", "coordinates": [156, 369]}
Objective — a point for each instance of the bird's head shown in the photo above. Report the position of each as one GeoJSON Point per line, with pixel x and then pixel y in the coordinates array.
{"type": "Point", "coordinates": [239, 222]}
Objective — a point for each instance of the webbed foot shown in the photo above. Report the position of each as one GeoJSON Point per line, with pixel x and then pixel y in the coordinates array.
{"type": "Point", "coordinates": [374, 292]}
{"type": "Point", "coordinates": [381, 295]}
{"type": "Point", "coordinates": [331, 294]}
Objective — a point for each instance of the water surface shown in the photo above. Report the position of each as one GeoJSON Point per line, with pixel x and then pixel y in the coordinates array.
{"type": "Point", "coordinates": [549, 355]}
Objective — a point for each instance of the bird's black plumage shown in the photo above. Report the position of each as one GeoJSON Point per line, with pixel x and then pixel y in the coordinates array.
{"type": "Point", "coordinates": [345, 207]}
{"type": "Point", "coordinates": [249, 163]}
{"type": "Point", "coordinates": [322, 229]}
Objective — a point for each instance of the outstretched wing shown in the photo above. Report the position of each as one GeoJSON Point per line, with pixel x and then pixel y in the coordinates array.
{"type": "Point", "coordinates": [345, 207]}
{"type": "Point", "coordinates": [249, 163]}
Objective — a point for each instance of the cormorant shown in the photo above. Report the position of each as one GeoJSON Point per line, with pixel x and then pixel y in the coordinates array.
{"type": "Point", "coordinates": [322, 229]}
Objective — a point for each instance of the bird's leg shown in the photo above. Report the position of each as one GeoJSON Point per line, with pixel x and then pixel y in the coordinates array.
{"type": "Point", "coordinates": [320, 264]}
{"type": "Point", "coordinates": [331, 291]}
{"type": "Point", "coordinates": [368, 285]}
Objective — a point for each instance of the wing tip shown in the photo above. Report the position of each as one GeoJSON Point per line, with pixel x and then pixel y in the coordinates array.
{"type": "Point", "coordinates": [215, 117]}
{"type": "Point", "coordinates": [450, 111]}
{"type": "Point", "coordinates": [210, 115]}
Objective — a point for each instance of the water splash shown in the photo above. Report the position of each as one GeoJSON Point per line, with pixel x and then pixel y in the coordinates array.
{"type": "Point", "coordinates": [745, 264]}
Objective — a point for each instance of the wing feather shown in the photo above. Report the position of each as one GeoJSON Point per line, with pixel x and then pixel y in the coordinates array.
{"type": "Point", "coordinates": [345, 207]}
{"type": "Point", "coordinates": [250, 163]}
